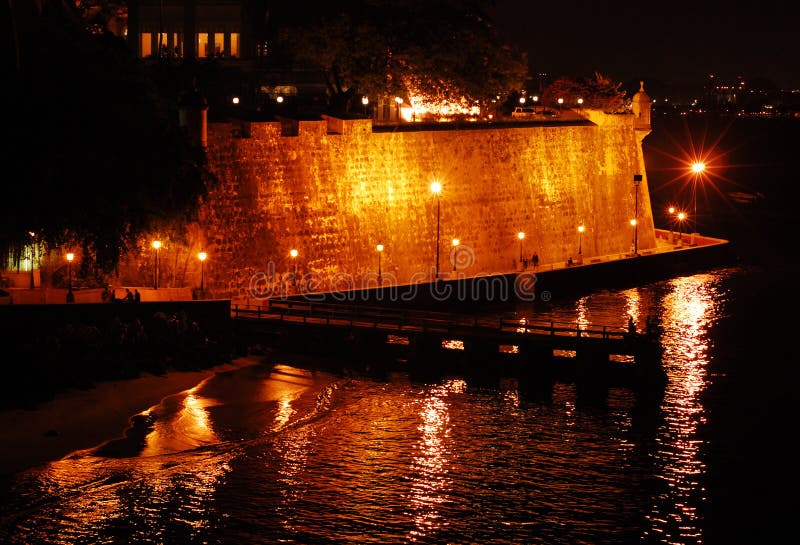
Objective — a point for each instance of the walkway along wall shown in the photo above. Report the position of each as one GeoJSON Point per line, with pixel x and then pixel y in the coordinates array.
{"type": "Point", "coordinates": [333, 189]}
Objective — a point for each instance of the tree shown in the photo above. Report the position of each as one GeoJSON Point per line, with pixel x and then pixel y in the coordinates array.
{"type": "Point", "coordinates": [598, 92]}
{"type": "Point", "coordinates": [94, 156]}
{"type": "Point", "coordinates": [447, 50]}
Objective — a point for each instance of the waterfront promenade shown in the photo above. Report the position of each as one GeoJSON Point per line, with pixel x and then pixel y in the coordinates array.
{"type": "Point", "coordinates": [459, 292]}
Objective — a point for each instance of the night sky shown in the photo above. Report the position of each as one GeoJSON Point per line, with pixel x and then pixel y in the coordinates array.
{"type": "Point", "coordinates": [677, 42]}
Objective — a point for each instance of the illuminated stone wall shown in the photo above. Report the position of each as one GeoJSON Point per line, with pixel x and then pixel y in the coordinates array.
{"type": "Point", "coordinates": [336, 189]}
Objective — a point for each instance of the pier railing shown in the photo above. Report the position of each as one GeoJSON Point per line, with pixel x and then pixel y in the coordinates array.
{"type": "Point", "coordinates": [416, 320]}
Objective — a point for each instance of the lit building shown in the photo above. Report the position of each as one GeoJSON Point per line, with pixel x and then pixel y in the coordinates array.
{"type": "Point", "coordinates": [188, 28]}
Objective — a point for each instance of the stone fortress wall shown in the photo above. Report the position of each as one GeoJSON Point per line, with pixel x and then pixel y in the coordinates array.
{"type": "Point", "coordinates": [333, 189]}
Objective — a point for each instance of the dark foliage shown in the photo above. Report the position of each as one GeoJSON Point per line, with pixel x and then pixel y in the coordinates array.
{"type": "Point", "coordinates": [445, 49]}
{"type": "Point", "coordinates": [93, 156]}
{"type": "Point", "coordinates": [79, 353]}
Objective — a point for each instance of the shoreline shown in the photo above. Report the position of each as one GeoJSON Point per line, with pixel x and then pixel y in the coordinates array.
{"type": "Point", "coordinates": [76, 420]}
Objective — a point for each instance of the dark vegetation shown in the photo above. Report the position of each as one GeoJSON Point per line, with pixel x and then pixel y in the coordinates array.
{"type": "Point", "coordinates": [49, 349]}
{"type": "Point", "coordinates": [93, 155]}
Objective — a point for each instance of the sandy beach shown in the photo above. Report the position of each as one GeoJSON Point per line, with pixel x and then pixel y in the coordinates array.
{"type": "Point", "coordinates": [80, 419]}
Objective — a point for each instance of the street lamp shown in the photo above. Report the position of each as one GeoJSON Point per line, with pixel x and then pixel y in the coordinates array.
{"type": "Point", "coordinates": [157, 246]}
{"type": "Point", "coordinates": [580, 104]}
{"type": "Point", "coordinates": [681, 217]}
{"type": "Point", "coordinates": [202, 257]}
{"type": "Point", "coordinates": [456, 242]}
{"type": "Point", "coordinates": [379, 247]}
{"type": "Point", "coordinates": [293, 253]}
{"type": "Point", "coordinates": [70, 295]}
{"type": "Point", "coordinates": [535, 99]}
{"type": "Point", "coordinates": [637, 180]}
{"type": "Point", "coordinates": [436, 189]}
{"type": "Point", "coordinates": [365, 101]}
{"type": "Point", "coordinates": [31, 255]}
{"type": "Point", "coordinates": [560, 103]}
{"type": "Point", "coordinates": [671, 221]}
{"type": "Point", "coordinates": [521, 237]}
{"type": "Point", "coordinates": [697, 169]}
{"type": "Point", "coordinates": [581, 229]}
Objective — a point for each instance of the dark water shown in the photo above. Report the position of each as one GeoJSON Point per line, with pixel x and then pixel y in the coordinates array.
{"type": "Point", "coordinates": [284, 455]}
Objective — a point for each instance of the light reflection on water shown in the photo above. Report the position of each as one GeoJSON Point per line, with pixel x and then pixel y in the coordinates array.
{"type": "Point", "coordinates": [289, 455]}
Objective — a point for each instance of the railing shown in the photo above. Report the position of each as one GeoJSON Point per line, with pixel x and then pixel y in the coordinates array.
{"type": "Point", "coordinates": [416, 320]}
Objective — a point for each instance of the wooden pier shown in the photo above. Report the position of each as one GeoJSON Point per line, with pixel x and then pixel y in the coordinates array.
{"type": "Point", "coordinates": [437, 342]}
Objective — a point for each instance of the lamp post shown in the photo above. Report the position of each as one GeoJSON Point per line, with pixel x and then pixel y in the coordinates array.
{"type": "Point", "coordinates": [379, 247]}
{"type": "Point", "coordinates": [293, 253]}
{"type": "Point", "coordinates": [436, 189]}
{"type": "Point", "coordinates": [70, 295]}
{"type": "Point", "coordinates": [202, 257]}
{"type": "Point", "coordinates": [521, 237]}
{"type": "Point", "coordinates": [581, 229]}
{"type": "Point", "coordinates": [31, 258]}
{"type": "Point", "coordinates": [681, 217]}
{"type": "Point", "coordinates": [637, 180]}
{"type": "Point", "coordinates": [560, 103]}
{"type": "Point", "coordinates": [157, 247]}
{"type": "Point", "coordinates": [365, 102]}
{"type": "Point", "coordinates": [456, 242]}
{"type": "Point", "coordinates": [535, 99]}
{"type": "Point", "coordinates": [697, 169]}
{"type": "Point", "coordinates": [580, 105]}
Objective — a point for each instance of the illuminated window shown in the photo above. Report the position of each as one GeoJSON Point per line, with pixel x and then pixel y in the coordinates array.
{"type": "Point", "coordinates": [147, 44]}
{"type": "Point", "coordinates": [219, 44]}
{"type": "Point", "coordinates": [234, 44]}
{"type": "Point", "coordinates": [162, 40]}
{"type": "Point", "coordinates": [202, 44]}
{"type": "Point", "coordinates": [176, 43]}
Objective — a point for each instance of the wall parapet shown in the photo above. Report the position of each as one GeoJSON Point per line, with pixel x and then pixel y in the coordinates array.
{"type": "Point", "coordinates": [338, 189]}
